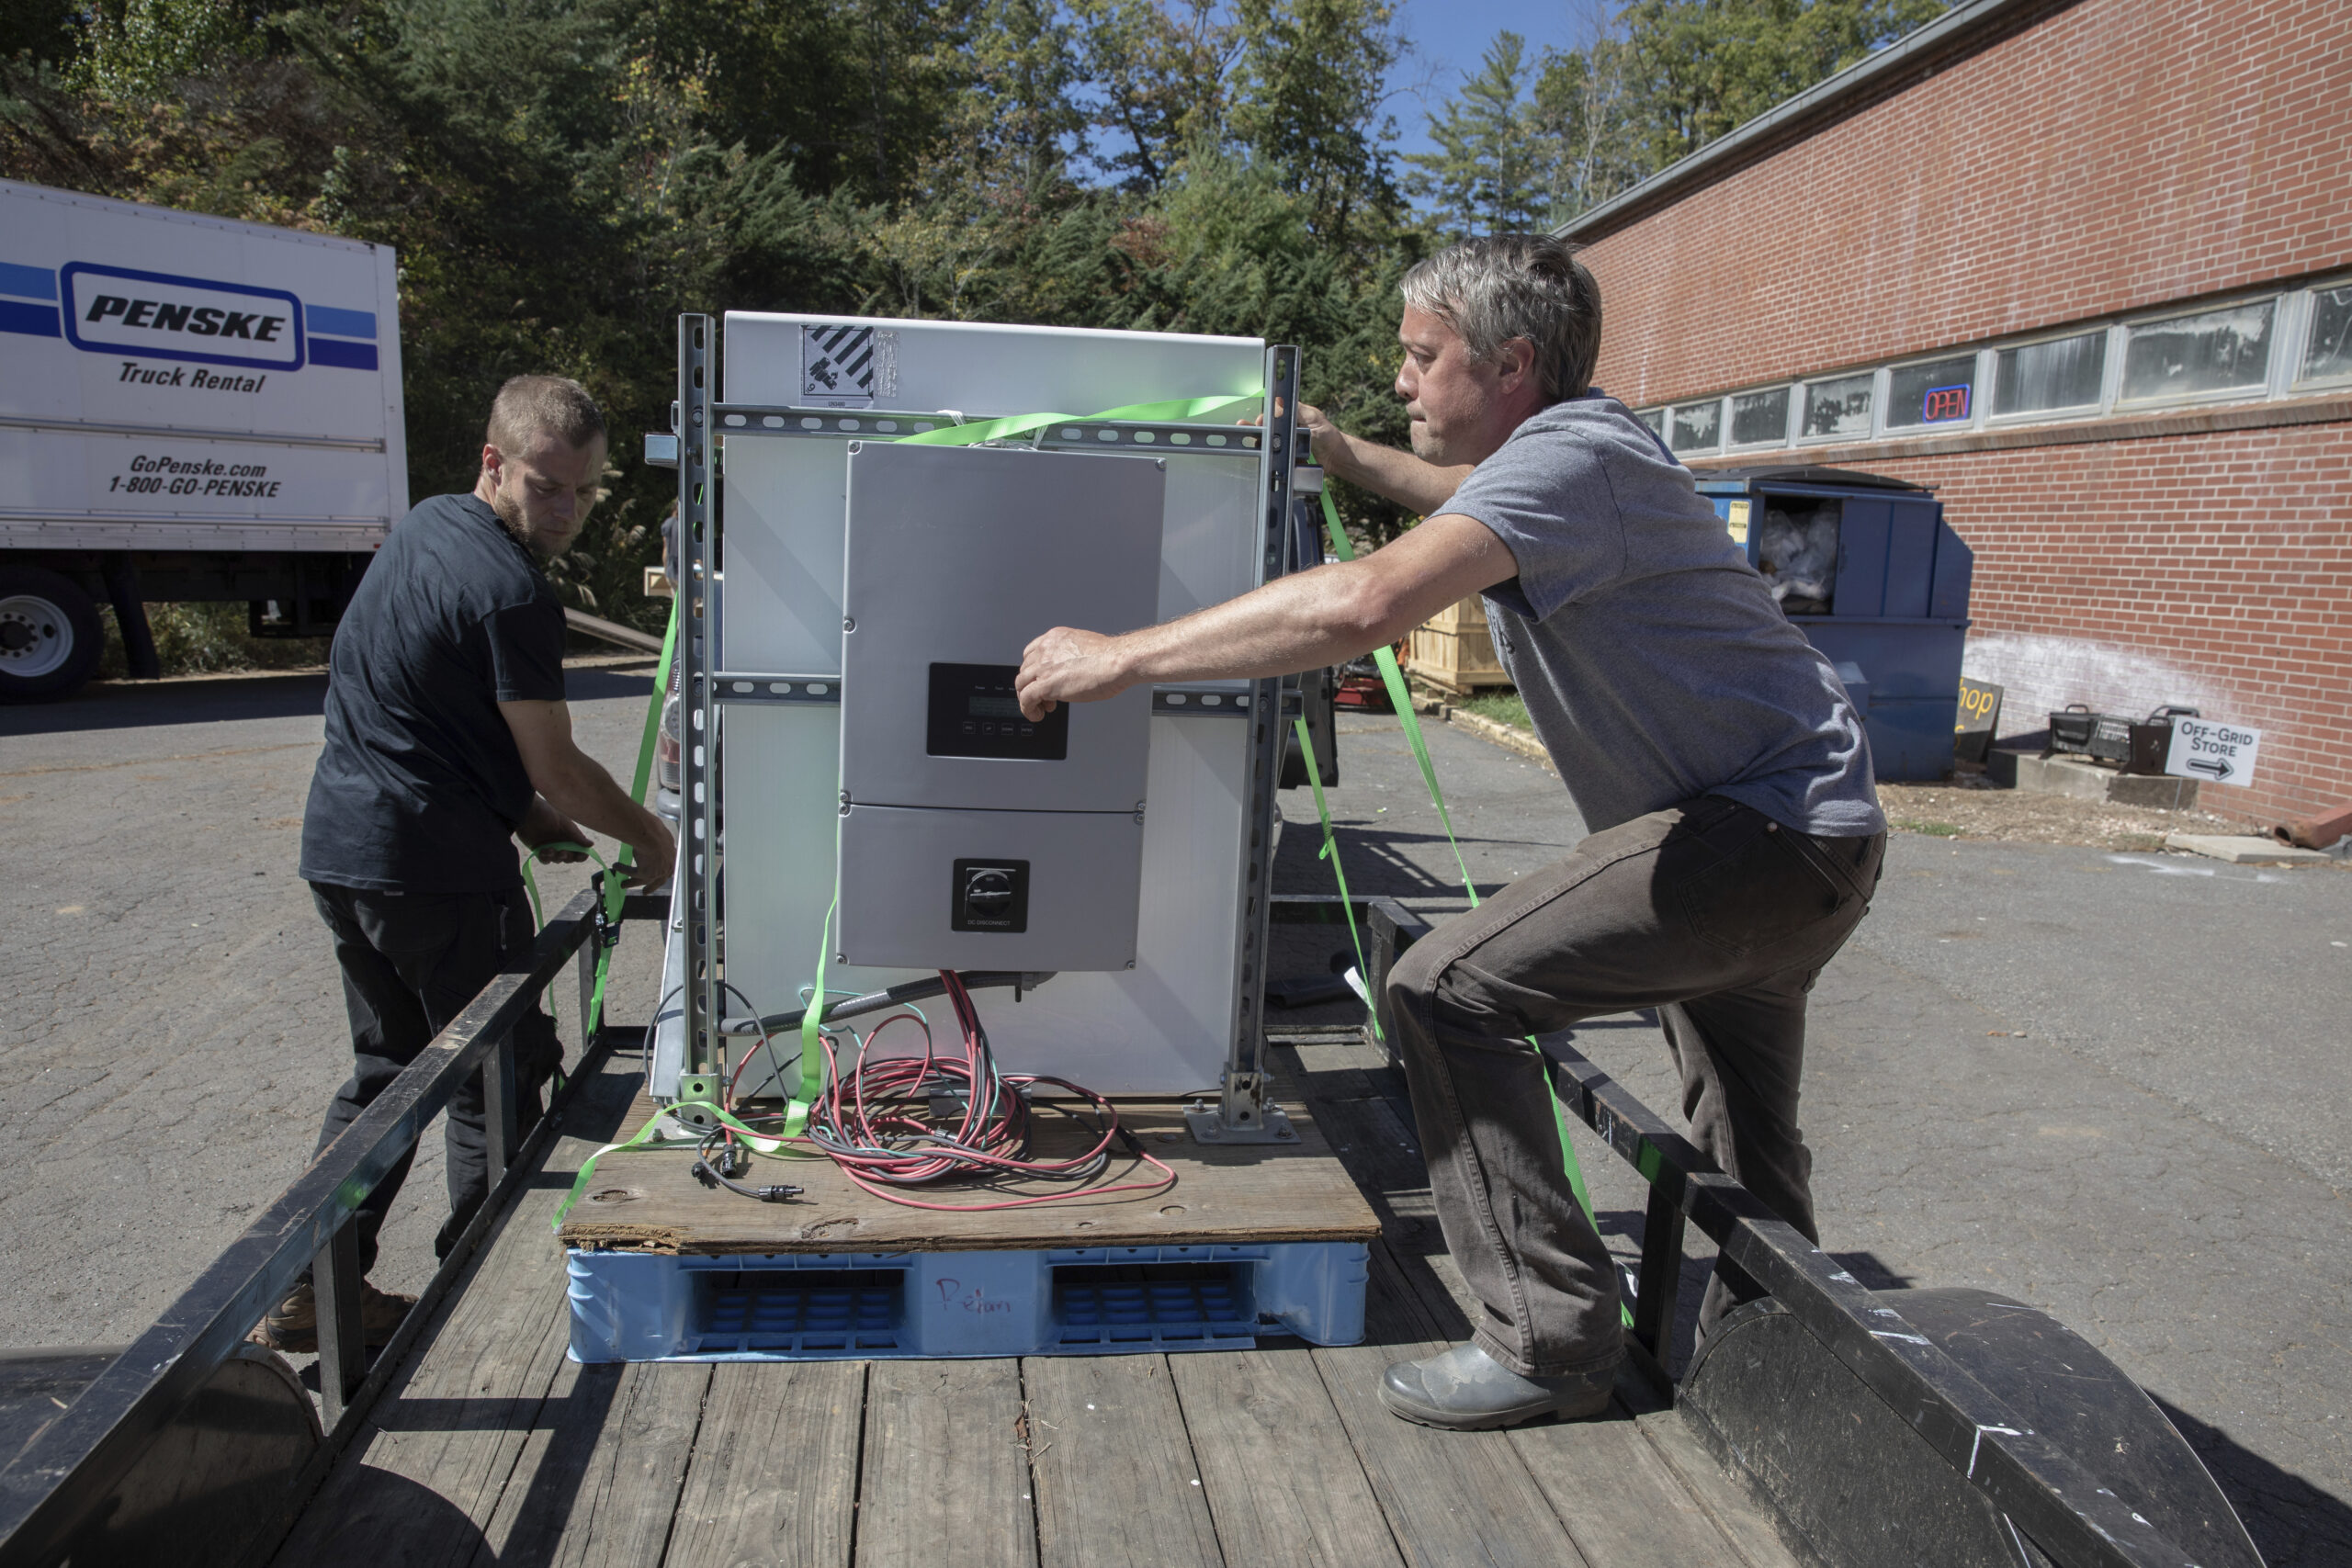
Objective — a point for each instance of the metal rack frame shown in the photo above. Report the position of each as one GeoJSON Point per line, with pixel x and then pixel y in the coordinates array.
{"type": "Point", "coordinates": [701, 423]}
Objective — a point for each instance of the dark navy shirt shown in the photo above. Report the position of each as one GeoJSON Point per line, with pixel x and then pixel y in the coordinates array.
{"type": "Point", "coordinates": [421, 786]}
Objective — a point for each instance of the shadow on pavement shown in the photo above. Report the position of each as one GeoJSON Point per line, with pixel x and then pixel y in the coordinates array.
{"type": "Point", "coordinates": [138, 705]}
{"type": "Point", "coordinates": [298, 693]}
{"type": "Point", "coordinates": [2294, 1524]}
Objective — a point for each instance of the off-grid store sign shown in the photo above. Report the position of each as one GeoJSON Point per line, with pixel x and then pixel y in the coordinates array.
{"type": "Point", "coordinates": [2219, 754]}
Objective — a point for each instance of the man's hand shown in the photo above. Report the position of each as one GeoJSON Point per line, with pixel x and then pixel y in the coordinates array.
{"type": "Point", "coordinates": [655, 862]}
{"type": "Point", "coordinates": [1323, 437]}
{"type": "Point", "coordinates": [1068, 666]}
{"type": "Point", "coordinates": [543, 825]}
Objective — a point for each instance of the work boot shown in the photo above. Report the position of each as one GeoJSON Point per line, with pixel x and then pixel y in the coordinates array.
{"type": "Point", "coordinates": [293, 1326]}
{"type": "Point", "coordinates": [1466, 1390]}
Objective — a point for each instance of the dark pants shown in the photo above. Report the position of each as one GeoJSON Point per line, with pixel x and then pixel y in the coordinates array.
{"type": "Point", "coordinates": [410, 962]}
{"type": "Point", "coordinates": [1707, 911]}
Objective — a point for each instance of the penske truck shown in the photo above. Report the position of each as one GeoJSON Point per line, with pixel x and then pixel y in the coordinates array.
{"type": "Point", "coordinates": [191, 409]}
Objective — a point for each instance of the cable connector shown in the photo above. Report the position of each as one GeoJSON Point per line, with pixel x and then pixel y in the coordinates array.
{"type": "Point", "coordinates": [950, 1100]}
{"type": "Point", "coordinates": [779, 1194]}
{"type": "Point", "coordinates": [1133, 1144]}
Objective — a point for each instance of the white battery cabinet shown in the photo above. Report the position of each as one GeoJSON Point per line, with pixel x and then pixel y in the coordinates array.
{"type": "Point", "coordinates": [848, 595]}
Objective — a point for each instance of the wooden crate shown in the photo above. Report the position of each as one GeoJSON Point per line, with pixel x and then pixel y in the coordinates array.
{"type": "Point", "coordinates": [1454, 651]}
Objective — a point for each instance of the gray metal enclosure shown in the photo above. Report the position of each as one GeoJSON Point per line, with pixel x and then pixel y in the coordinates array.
{"type": "Point", "coordinates": [973, 838]}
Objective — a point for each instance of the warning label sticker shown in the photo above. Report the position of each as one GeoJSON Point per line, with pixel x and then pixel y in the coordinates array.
{"type": "Point", "coordinates": [837, 366]}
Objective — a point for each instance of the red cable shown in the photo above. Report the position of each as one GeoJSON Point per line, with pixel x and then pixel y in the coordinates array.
{"type": "Point", "coordinates": [992, 1134]}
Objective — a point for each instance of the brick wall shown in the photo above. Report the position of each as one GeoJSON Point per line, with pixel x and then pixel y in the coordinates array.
{"type": "Point", "coordinates": [2116, 154]}
{"type": "Point", "coordinates": [2110, 156]}
{"type": "Point", "coordinates": [2212, 570]}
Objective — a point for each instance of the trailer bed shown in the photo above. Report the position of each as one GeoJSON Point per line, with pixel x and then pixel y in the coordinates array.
{"type": "Point", "coordinates": [492, 1446]}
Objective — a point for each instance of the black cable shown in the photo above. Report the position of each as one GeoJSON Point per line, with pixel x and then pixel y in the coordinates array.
{"type": "Point", "coordinates": [767, 1037]}
{"type": "Point", "coordinates": [901, 994]}
{"type": "Point", "coordinates": [733, 1162]}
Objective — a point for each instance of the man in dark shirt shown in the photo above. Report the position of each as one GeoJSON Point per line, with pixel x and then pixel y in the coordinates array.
{"type": "Point", "coordinates": [448, 737]}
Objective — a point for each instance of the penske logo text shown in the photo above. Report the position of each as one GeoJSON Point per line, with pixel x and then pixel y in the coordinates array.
{"type": "Point", "coordinates": [201, 320]}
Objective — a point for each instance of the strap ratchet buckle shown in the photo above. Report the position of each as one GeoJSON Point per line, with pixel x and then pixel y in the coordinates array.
{"type": "Point", "coordinates": [608, 931]}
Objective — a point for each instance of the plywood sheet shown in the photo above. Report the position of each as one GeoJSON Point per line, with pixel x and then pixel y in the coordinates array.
{"type": "Point", "coordinates": [1240, 1193]}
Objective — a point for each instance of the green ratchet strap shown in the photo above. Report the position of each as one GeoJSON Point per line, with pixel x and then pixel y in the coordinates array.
{"type": "Point", "coordinates": [1175, 411]}
{"type": "Point", "coordinates": [812, 1056]}
{"type": "Point", "coordinates": [617, 879]}
{"type": "Point", "coordinates": [616, 886]}
{"type": "Point", "coordinates": [770, 1142]}
{"type": "Point", "coordinates": [1330, 852]}
{"type": "Point", "coordinates": [1402, 701]}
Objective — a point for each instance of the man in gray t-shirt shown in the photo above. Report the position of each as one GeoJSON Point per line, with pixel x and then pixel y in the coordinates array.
{"type": "Point", "coordinates": [1735, 840]}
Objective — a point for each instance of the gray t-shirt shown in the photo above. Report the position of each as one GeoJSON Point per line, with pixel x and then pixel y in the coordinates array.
{"type": "Point", "coordinates": [1651, 657]}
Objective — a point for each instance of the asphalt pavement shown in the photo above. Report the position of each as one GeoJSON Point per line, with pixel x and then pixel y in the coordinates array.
{"type": "Point", "coordinates": [2113, 1085]}
{"type": "Point", "coordinates": [171, 1012]}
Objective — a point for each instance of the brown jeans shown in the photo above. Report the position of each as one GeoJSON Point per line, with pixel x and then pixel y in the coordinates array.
{"type": "Point", "coordinates": [1708, 911]}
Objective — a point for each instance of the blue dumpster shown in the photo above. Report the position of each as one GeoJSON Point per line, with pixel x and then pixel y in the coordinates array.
{"type": "Point", "coordinates": [1869, 570]}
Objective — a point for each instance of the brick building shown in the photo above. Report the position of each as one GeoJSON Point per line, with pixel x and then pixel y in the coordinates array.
{"type": "Point", "coordinates": [2087, 268]}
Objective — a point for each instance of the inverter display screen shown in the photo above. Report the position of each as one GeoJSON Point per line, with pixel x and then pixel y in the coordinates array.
{"type": "Point", "coordinates": [973, 713]}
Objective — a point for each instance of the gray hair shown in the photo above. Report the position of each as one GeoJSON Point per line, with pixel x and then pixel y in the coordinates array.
{"type": "Point", "coordinates": [1501, 286]}
{"type": "Point", "coordinates": [530, 406]}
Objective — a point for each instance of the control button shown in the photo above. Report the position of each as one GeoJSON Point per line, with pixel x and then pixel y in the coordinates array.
{"type": "Point", "coordinates": [1028, 729]}
{"type": "Point", "coordinates": [970, 728]}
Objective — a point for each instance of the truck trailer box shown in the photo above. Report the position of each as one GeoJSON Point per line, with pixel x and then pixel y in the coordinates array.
{"type": "Point", "coordinates": [190, 408]}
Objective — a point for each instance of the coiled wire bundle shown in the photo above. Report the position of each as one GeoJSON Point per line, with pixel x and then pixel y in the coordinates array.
{"type": "Point", "coordinates": [892, 1123]}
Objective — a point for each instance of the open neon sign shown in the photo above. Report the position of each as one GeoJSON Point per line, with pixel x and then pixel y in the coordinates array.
{"type": "Point", "coordinates": [1943, 404]}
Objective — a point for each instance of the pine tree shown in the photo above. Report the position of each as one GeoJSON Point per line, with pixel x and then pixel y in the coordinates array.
{"type": "Point", "coordinates": [1487, 177]}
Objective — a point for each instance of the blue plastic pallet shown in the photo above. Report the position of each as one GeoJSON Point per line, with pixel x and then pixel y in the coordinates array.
{"type": "Point", "coordinates": [788, 1306]}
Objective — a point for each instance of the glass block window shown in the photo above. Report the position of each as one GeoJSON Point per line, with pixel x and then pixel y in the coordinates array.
{"type": "Point", "coordinates": [2064, 373]}
{"type": "Point", "coordinates": [1656, 420]}
{"type": "Point", "coordinates": [1942, 391]}
{"type": "Point", "coordinates": [1841, 407]}
{"type": "Point", "coordinates": [2218, 350]}
{"type": "Point", "coordinates": [1758, 417]}
{"type": "Point", "coordinates": [1697, 427]}
{"type": "Point", "coordinates": [2329, 351]}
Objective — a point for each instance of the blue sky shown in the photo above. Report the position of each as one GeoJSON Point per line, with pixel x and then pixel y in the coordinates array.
{"type": "Point", "coordinates": [1448, 37]}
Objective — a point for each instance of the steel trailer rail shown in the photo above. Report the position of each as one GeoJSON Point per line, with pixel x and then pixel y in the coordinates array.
{"type": "Point", "coordinates": [53, 1486]}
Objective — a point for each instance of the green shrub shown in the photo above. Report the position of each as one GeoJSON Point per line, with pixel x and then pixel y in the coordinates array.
{"type": "Point", "coordinates": [203, 638]}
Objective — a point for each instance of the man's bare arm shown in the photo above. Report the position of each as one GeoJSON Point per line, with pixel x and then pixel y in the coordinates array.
{"type": "Point", "coordinates": [577, 785]}
{"type": "Point", "coordinates": [1422, 488]}
{"type": "Point", "coordinates": [1323, 617]}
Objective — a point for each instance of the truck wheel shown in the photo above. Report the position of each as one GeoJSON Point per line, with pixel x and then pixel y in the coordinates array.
{"type": "Point", "coordinates": [48, 634]}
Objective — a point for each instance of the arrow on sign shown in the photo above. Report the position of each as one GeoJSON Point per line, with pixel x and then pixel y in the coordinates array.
{"type": "Point", "coordinates": [2215, 770]}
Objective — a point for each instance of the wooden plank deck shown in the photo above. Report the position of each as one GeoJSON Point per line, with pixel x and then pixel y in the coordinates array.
{"type": "Point", "coordinates": [491, 1448]}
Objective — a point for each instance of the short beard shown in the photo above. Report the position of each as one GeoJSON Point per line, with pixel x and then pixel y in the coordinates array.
{"type": "Point", "coordinates": [510, 515]}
